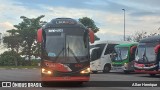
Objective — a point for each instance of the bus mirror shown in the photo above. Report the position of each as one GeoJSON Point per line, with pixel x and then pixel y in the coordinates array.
{"type": "Point", "coordinates": [157, 48]}
{"type": "Point", "coordinates": [91, 35]}
{"type": "Point", "coordinates": [133, 49]}
{"type": "Point", "coordinates": [39, 35]}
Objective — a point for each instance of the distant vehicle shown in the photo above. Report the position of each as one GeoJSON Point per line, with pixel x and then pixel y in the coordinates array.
{"type": "Point", "coordinates": [26, 57]}
{"type": "Point", "coordinates": [124, 58]}
{"type": "Point", "coordinates": [101, 55]}
{"type": "Point", "coordinates": [65, 50]}
{"type": "Point", "coordinates": [148, 56]}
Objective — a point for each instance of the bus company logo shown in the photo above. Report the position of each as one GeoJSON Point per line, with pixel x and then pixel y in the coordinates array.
{"type": "Point", "coordinates": [65, 22]}
{"type": "Point", "coordinates": [6, 84]}
{"type": "Point", "coordinates": [55, 30]}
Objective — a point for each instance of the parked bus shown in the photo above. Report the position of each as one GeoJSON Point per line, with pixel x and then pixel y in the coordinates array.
{"type": "Point", "coordinates": [65, 50]}
{"type": "Point", "coordinates": [124, 58]}
{"type": "Point", "coordinates": [101, 55]}
{"type": "Point", "coordinates": [148, 56]}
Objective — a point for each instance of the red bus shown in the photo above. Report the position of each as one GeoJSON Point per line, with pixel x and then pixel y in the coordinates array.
{"type": "Point", "coordinates": [65, 52]}
{"type": "Point", "coordinates": [148, 56]}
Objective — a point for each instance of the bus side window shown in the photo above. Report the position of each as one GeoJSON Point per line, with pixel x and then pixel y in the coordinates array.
{"type": "Point", "coordinates": [95, 54]}
{"type": "Point", "coordinates": [110, 49]}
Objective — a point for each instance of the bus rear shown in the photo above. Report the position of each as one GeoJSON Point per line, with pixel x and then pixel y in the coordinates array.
{"type": "Point", "coordinates": [65, 50]}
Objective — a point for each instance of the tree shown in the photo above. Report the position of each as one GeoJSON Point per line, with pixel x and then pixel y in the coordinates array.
{"type": "Point", "coordinates": [13, 40]}
{"type": "Point", "coordinates": [89, 23]}
{"type": "Point", "coordinates": [137, 36]}
{"type": "Point", "coordinates": [10, 58]}
{"type": "Point", "coordinates": [27, 30]}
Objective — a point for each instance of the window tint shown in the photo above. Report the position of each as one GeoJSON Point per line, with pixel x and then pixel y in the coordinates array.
{"type": "Point", "coordinates": [110, 49]}
{"type": "Point", "coordinates": [101, 47]}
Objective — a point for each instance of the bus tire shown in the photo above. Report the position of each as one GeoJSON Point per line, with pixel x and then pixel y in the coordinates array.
{"type": "Point", "coordinates": [126, 71]}
{"type": "Point", "coordinates": [152, 75]}
{"type": "Point", "coordinates": [107, 68]}
{"type": "Point", "coordinates": [94, 72]}
{"type": "Point", "coordinates": [79, 83]}
{"type": "Point", "coordinates": [45, 84]}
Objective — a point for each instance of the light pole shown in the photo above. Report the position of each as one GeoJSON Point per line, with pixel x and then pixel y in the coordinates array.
{"type": "Point", "coordinates": [0, 38]}
{"type": "Point", "coordinates": [124, 23]}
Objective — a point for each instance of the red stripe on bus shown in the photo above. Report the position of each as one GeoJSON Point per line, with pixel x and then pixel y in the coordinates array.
{"type": "Point", "coordinates": [65, 78]}
{"type": "Point", "coordinates": [57, 66]}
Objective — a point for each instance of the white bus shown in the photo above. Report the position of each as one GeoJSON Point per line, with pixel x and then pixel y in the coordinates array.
{"type": "Point", "coordinates": [101, 52]}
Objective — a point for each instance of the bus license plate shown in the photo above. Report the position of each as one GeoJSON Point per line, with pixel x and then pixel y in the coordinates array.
{"type": "Point", "coordinates": [66, 77]}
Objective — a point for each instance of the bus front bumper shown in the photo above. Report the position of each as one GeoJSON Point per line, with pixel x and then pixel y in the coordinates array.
{"type": "Point", "coordinates": [118, 68]}
{"type": "Point", "coordinates": [147, 72]}
{"type": "Point", "coordinates": [66, 78]}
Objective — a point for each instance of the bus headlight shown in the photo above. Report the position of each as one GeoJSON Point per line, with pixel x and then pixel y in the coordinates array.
{"type": "Point", "coordinates": [49, 72]}
{"type": "Point", "coordinates": [43, 69]}
{"type": "Point", "coordinates": [88, 70]}
{"type": "Point", "coordinates": [46, 71]}
{"type": "Point", "coordinates": [125, 64]}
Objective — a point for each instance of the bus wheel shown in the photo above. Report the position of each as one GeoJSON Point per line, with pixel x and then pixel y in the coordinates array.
{"type": "Point", "coordinates": [94, 72]}
{"type": "Point", "coordinates": [107, 68]}
{"type": "Point", "coordinates": [45, 84]}
{"type": "Point", "coordinates": [126, 72]}
{"type": "Point", "coordinates": [152, 75]}
{"type": "Point", "coordinates": [79, 83]}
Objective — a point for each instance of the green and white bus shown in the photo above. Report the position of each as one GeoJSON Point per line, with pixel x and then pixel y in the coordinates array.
{"type": "Point", "coordinates": [124, 58]}
{"type": "Point", "coordinates": [101, 55]}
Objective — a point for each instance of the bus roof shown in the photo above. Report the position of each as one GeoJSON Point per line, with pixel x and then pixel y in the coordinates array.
{"type": "Point", "coordinates": [110, 42]}
{"type": "Point", "coordinates": [126, 45]}
{"type": "Point", "coordinates": [63, 22]}
{"type": "Point", "coordinates": [151, 39]}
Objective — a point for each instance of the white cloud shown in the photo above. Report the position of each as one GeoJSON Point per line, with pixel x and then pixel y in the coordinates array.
{"type": "Point", "coordinates": [110, 24]}
{"type": "Point", "coordinates": [5, 26]}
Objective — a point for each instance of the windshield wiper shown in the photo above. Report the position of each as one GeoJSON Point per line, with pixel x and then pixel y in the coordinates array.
{"type": "Point", "coordinates": [56, 58]}
{"type": "Point", "coordinates": [145, 57]}
{"type": "Point", "coordinates": [69, 49]}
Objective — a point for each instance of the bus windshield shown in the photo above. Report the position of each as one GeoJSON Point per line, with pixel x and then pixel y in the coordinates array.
{"type": "Point", "coordinates": [66, 48]}
{"type": "Point", "coordinates": [54, 45]}
{"type": "Point", "coordinates": [145, 53]}
{"type": "Point", "coordinates": [122, 53]}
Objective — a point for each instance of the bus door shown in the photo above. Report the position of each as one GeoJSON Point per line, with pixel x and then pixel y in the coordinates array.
{"type": "Point", "coordinates": [95, 58]}
{"type": "Point", "coordinates": [109, 51]}
{"type": "Point", "coordinates": [106, 57]}
{"type": "Point", "coordinates": [131, 57]}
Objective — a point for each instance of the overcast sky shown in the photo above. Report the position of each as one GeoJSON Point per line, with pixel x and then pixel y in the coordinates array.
{"type": "Point", "coordinates": [107, 14]}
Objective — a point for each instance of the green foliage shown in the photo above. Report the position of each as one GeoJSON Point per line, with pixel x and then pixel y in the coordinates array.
{"type": "Point", "coordinates": [10, 58]}
{"type": "Point", "coordinates": [23, 37]}
{"type": "Point", "coordinates": [89, 23]}
{"type": "Point", "coordinates": [13, 40]}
